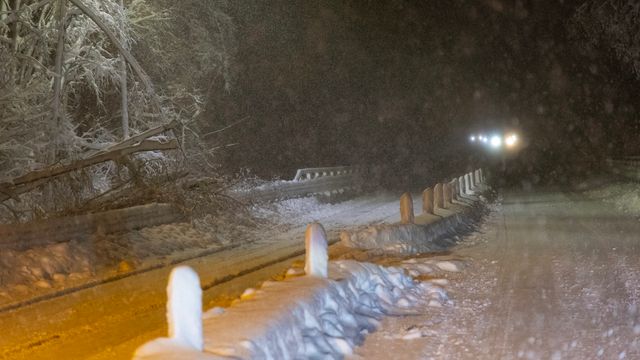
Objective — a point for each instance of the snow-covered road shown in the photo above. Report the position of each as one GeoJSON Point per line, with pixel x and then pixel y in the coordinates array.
{"type": "Point", "coordinates": [551, 276]}
{"type": "Point", "coordinates": [109, 321]}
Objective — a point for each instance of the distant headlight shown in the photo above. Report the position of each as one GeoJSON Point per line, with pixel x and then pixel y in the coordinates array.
{"type": "Point", "coordinates": [496, 141]}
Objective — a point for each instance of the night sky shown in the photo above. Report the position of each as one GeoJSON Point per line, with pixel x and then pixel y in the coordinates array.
{"type": "Point", "coordinates": [400, 84]}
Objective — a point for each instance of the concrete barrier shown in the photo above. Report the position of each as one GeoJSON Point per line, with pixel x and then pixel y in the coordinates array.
{"type": "Point", "coordinates": [316, 259]}
{"type": "Point", "coordinates": [427, 201]}
{"type": "Point", "coordinates": [438, 196]}
{"type": "Point", "coordinates": [457, 189]}
{"type": "Point", "coordinates": [447, 194]}
{"type": "Point", "coordinates": [454, 189]}
{"type": "Point", "coordinates": [467, 184]}
{"type": "Point", "coordinates": [407, 215]}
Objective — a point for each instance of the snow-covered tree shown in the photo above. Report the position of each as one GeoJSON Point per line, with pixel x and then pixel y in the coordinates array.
{"type": "Point", "coordinates": [74, 81]}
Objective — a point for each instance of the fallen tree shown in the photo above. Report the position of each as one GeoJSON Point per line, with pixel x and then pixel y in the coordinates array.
{"type": "Point", "coordinates": [139, 143]}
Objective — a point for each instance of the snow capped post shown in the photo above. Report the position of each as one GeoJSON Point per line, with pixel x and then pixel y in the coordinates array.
{"type": "Point", "coordinates": [184, 308]}
{"type": "Point", "coordinates": [427, 201]}
{"type": "Point", "coordinates": [316, 258]}
{"type": "Point", "coordinates": [406, 209]}
{"type": "Point", "coordinates": [438, 196]}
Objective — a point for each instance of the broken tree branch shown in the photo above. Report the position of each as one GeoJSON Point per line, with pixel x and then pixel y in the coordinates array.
{"type": "Point", "coordinates": [33, 179]}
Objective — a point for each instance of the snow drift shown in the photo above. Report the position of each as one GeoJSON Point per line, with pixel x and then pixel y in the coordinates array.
{"type": "Point", "coordinates": [308, 316]}
{"type": "Point", "coordinates": [407, 239]}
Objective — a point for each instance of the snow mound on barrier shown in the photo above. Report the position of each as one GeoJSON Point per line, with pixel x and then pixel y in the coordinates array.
{"type": "Point", "coordinates": [408, 239]}
{"type": "Point", "coordinates": [310, 317]}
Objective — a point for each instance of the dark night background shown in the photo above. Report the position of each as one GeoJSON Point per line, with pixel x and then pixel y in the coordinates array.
{"type": "Point", "coordinates": [400, 84]}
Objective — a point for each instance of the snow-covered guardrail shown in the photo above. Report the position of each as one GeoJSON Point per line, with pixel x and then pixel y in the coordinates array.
{"type": "Point", "coordinates": [314, 173]}
{"type": "Point", "coordinates": [325, 313]}
{"type": "Point", "coordinates": [420, 233]}
{"type": "Point", "coordinates": [310, 181]}
{"type": "Point", "coordinates": [628, 167]}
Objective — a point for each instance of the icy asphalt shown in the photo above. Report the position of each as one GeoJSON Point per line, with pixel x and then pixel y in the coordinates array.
{"type": "Point", "coordinates": [550, 275]}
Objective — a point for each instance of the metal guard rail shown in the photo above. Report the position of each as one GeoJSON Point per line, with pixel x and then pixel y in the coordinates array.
{"type": "Point", "coordinates": [314, 173]}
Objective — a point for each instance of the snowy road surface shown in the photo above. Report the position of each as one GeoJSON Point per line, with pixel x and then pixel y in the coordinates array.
{"type": "Point", "coordinates": [551, 276]}
{"type": "Point", "coordinates": [109, 321]}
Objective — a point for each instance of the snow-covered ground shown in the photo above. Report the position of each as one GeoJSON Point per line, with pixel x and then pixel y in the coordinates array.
{"type": "Point", "coordinates": [46, 270]}
{"type": "Point", "coordinates": [624, 196]}
{"type": "Point", "coordinates": [548, 276]}
{"type": "Point", "coordinates": [131, 308]}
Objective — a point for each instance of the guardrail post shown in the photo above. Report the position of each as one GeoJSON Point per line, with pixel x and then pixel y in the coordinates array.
{"type": "Point", "coordinates": [316, 260]}
{"type": "Point", "coordinates": [454, 189]}
{"type": "Point", "coordinates": [477, 175]}
{"type": "Point", "coordinates": [427, 201]}
{"type": "Point", "coordinates": [438, 197]}
{"type": "Point", "coordinates": [467, 184]}
{"type": "Point", "coordinates": [184, 307]}
{"type": "Point", "coordinates": [446, 194]}
{"type": "Point", "coordinates": [406, 209]}
{"type": "Point", "coordinates": [461, 189]}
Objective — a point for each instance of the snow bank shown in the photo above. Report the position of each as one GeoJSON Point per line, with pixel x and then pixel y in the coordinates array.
{"type": "Point", "coordinates": [624, 196]}
{"type": "Point", "coordinates": [51, 268]}
{"type": "Point", "coordinates": [312, 317]}
{"type": "Point", "coordinates": [408, 238]}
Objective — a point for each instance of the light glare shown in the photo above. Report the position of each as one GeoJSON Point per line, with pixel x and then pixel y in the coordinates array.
{"type": "Point", "coordinates": [496, 141]}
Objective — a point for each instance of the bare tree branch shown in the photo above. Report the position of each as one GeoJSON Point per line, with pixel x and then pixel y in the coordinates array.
{"type": "Point", "coordinates": [25, 183]}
